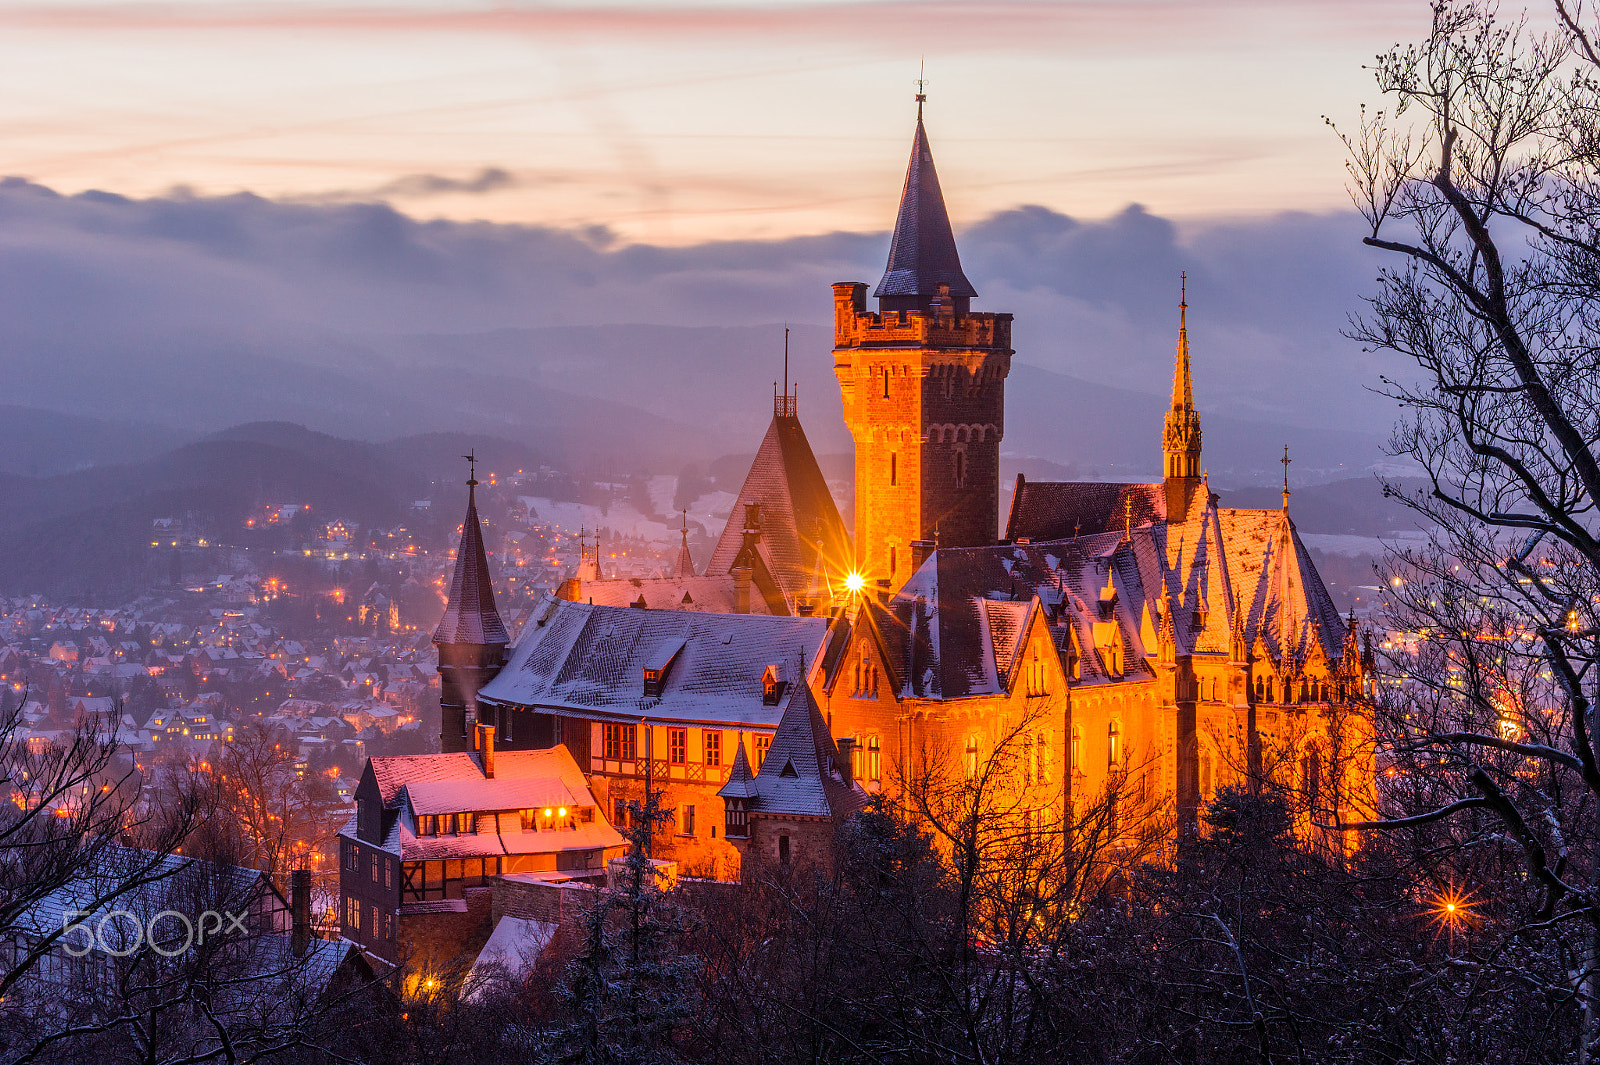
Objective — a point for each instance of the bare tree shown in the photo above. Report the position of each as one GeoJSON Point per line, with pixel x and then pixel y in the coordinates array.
{"type": "Point", "coordinates": [267, 817]}
{"type": "Point", "coordinates": [1481, 180]}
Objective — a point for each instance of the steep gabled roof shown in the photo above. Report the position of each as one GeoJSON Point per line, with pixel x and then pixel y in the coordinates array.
{"type": "Point", "coordinates": [1059, 510]}
{"type": "Point", "coordinates": [1287, 604]}
{"type": "Point", "coordinates": [956, 627]}
{"type": "Point", "coordinates": [923, 253]}
{"type": "Point", "coordinates": [800, 775]}
{"type": "Point", "coordinates": [470, 616]}
{"type": "Point", "coordinates": [797, 514]}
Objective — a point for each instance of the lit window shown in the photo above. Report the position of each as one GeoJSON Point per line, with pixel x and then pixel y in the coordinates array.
{"type": "Point", "coordinates": [972, 758]}
{"type": "Point", "coordinates": [352, 914]}
{"type": "Point", "coordinates": [1114, 743]}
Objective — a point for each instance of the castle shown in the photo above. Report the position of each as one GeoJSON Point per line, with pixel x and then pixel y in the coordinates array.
{"type": "Point", "coordinates": [1136, 640]}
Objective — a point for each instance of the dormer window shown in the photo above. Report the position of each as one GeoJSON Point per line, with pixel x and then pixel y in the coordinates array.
{"type": "Point", "coordinates": [659, 665]}
{"type": "Point", "coordinates": [771, 687]}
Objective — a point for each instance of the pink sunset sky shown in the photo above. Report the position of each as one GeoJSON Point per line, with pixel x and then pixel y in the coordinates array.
{"type": "Point", "coordinates": [672, 123]}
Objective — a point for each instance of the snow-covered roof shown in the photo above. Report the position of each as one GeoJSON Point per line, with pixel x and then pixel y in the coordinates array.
{"type": "Point", "coordinates": [589, 661]}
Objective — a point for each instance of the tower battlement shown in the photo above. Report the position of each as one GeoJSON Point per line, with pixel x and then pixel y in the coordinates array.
{"type": "Point", "coordinates": [939, 327]}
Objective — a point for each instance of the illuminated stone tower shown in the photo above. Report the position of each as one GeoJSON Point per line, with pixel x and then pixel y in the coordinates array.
{"type": "Point", "coordinates": [923, 382]}
{"type": "Point", "coordinates": [471, 638]}
{"type": "Point", "coordinates": [1180, 440]}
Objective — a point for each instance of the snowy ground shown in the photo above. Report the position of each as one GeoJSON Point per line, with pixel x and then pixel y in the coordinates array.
{"type": "Point", "coordinates": [1335, 544]}
{"type": "Point", "coordinates": [710, 512]}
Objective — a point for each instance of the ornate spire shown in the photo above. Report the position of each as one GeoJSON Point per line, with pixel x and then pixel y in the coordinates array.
{"type": "Point", "coordinates": [922, 255]}
{"type": "Point", "coordinates": [470, 616]}
{"type": "Point", "coordinates": [1182, 383]}
{"type": "Point", "coordinates": [685, 563]}
{"type": "Point", "coordinates": [1180, 440]}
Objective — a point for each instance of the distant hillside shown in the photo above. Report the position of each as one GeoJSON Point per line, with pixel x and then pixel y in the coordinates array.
{"type": "Point", "coordinates": [86, 533]}
{"type": "Point", "coordinates": [1355, 506]}
{"type": "Point", "coordinates": [721, 377]}
{"type": "Point", "coordinates": [38, 443]}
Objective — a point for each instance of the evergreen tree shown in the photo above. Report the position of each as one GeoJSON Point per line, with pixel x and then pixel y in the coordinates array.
{"type": "Point", "coordinates": [626, 991]}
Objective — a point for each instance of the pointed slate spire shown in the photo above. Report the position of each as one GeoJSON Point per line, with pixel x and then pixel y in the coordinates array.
{"type": "Point", "coordinates": [741, 782]}
{"type": "Point", "coordinates": [684, 567]}
{"type": "Point", "coordinates": [922, 255]}
{"type": "Point", "coordinates": [800, 775]}
{"type": "Point", "coordinates": [470, 616]}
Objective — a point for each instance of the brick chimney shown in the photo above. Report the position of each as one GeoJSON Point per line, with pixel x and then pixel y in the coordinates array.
{"type": "Point", "coordinates": [300, 910]}
{"type": "Point", "coordinates": [847, 750]}
{"type": "Point", "coordinates": [741, 588]}
{"type": "Point", "coordinates": [485, 747]}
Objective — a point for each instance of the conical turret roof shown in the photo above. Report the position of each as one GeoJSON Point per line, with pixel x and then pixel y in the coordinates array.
{"type": "Point", "coordinates": [470, 615]}
{"type": "Point", "coordinates": [923, 253]}
{"type": "Point", "coordinates": [800, 775]}
{"type": "Point", "coordinates": [741, 782]}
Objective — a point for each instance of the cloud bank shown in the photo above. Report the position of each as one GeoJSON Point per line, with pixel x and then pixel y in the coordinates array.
{"type": "Point", "coordinates": [353, 317]}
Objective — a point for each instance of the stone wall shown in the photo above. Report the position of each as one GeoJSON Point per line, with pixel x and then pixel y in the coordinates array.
{"type": "Point", "coordinates": [442, 936]}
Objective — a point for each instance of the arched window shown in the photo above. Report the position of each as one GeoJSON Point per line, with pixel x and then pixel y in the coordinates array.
{"type": "Point", "coordinates": [894, 467]}
{"type": "Point", "coordinates": [1311, 778]}
{"type": "Point", "coordinates": [1076, 763]}
{"type": "Point", "coordinates": [886, 382]}
{"type": "Point", "coordinates": [874, 766]}
{"type": "Point", "coordinates": [1114, 743]}
{"type": "Point", "coordinates": [1041, 756]}
{"type": "Point", "coordinates": [961, 468]}
{"type": "Point", "coordinates": [1208, 774]}
{"type": "Point", "coordinates": [1027, 759]}
{"type": "Point", "coordinates": [1260, 691]}
{"type": "Point", "coordinates": [972, 758]}
{"type": "Point", "coordinates": [1270, 699]}
{"type": "Point", "coordinates": [1036, 675]}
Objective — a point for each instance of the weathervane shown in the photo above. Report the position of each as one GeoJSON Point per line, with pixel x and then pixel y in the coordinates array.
{"type": "Point", "coordinates": [1286, 460]}
{"type": "Point", "coordinates": [472, 468]}
{"type": "Point", "coordinates": [922, 85]}
{"type": "Point", "coordinates": [1183, 289]}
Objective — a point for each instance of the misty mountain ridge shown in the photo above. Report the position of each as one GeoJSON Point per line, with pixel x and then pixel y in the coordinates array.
{"type": "Point", "coordinates": [201, 313]}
